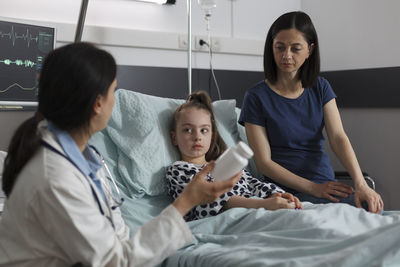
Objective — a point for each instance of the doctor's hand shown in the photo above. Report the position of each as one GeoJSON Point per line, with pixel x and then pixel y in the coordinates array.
{"type": "Point", "coordinates": [372, 198]}
{"type": "Point", "coordinates": [330, 189]}
{"type": "Point", "coordinates": [199, 191]}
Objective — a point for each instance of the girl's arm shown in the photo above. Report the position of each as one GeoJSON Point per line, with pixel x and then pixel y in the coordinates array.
{"type": "Point", "coordinates": [200, 192]}
{"type": "Point", "coordinates": [341, 146]}
{"type": "Point", "coordinates": [179, 178]}
{"type": "Point", "coordinates": [276, 201]}
{"type": "Point", "coordinates": [258, 141]}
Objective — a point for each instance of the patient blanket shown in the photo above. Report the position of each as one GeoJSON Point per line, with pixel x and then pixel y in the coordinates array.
{"type": "Point", "coordinates": [319, 235]}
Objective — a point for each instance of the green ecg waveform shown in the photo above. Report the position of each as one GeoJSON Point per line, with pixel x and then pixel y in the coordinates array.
{"type": "Point", "coordinates": [13, 36]}
{"type": "Point", "coordinates": [18, 85]}
{"type": "Point", "coordinates": [19, 62]}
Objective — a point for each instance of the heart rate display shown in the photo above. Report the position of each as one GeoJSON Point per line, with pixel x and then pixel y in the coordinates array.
{"type": "Point", "coordinates": [14, 36]}
{"type": "Point", "coordinates": [22, 50]}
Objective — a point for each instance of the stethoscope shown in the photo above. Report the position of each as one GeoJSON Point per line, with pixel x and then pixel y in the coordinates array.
{"type": "Point", "coordinates": [117, 201]}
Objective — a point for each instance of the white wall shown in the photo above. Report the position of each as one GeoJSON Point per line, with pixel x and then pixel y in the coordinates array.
{"type": "Point", "coordinates": [356, 34]}
{"type": "Point", "coordinates": [144, 34]}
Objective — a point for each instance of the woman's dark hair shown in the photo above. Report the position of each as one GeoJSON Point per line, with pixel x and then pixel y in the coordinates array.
{"type": "Point", "coordinates": [201, 100]}
{"type": "Point", "coordinates": [300, 21]}
{"type": "Point", "coordinates": [71, 79]}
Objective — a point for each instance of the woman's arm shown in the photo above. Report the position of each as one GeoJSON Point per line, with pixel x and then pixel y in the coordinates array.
{"type": "Point", "coordinates": [258, 141]}
{"type": "Point", "coordinates": [342, 148]}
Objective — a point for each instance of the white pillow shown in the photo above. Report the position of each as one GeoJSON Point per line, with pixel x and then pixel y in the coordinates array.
{"type": "Point", "coordinates": [242, 135]}
{"type": "Point", "coordinates": [138, 139]}
{"type": "Point", "coordinates": [3, 156]}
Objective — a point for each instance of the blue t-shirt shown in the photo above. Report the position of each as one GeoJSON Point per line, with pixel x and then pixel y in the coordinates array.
{"type": "Point", "coordinates": [294, 127]}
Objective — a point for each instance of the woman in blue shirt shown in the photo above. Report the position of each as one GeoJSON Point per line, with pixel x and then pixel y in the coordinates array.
{"type": "Point", "coordinates": [284, 116]}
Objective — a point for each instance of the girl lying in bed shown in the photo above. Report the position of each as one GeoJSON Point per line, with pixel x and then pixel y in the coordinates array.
{"type": "Point", "coordinates": [195, 134]}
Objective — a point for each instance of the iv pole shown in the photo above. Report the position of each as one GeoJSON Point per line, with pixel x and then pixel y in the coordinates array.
{"type": "Point", "coordinates": [81, 21]}
{"type": "Point", "coordinates": [189, 53]}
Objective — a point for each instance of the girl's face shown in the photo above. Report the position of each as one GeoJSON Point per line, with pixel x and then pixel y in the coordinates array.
{"type": "Point", "coordinates": [290, 51]}
{"type": "Point", "coordinates": [193, 134]}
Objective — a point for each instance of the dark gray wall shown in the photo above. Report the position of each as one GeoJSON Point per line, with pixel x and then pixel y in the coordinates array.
{"type": "Point", "coordinates": [368, 88]}
{"type": "Point", "coordinates": [9, 121]}
{"type": "Point", "coordinates": [172, 82]}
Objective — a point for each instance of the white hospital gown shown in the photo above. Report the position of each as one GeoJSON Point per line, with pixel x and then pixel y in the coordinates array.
{"type": "Point", "coordinates": [180, 173]}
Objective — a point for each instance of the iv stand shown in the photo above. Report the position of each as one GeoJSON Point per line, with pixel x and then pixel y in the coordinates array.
{"type": "Point", "coordinates": [189, 53]}
{"type": "Point", "coordinates": [81, 21]}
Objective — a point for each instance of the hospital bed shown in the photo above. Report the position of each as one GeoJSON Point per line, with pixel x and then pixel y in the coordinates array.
{"type": "Point", "coordinates": [137, 149]}
{"type": "Point", "coordinates": [344, 177]}
{"type": "Point", "coordinates": [3, 155]}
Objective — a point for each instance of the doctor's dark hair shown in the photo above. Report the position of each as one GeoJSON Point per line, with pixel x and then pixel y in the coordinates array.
{"type": "Point", "coordinates": [201, 100]}
{"type": "Point", "coordinates": [309, 71]}
{"type": "Point", "coordinates": [71, 79]}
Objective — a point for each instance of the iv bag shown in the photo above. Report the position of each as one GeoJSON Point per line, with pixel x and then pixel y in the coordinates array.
{"type": "Point", "coordinates": [207, 5]}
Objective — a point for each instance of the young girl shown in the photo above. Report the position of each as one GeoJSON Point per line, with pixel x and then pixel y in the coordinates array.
{"type": "Point", "coordinates": [195, 134]}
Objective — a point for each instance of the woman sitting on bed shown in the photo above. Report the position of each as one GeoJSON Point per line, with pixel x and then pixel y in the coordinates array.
{"type": "Point", "coordinates": [285, 114]}
{"type": "Point", "coordinates": [195, 134]}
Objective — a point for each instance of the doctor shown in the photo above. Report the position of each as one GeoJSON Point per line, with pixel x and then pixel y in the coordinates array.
{"type": "Point", "coordinates": [57, 211]}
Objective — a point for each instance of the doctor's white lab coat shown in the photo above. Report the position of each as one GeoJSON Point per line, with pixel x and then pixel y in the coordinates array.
{"type": "Point", "coordinates": [53, 219]}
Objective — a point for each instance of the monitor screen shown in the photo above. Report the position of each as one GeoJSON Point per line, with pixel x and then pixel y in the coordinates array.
{"type": "Point", "coordinates": [22, 50]}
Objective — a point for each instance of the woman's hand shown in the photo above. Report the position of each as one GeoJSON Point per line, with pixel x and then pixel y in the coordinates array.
{"type": "Point", "coordinates": [199, 191]}
{"type": "Point", "coordinates": [373, 199]}
{"type": "Point", "coordinates": [282, 201]}
{"type": "Point", "coordinates": [330, 189]}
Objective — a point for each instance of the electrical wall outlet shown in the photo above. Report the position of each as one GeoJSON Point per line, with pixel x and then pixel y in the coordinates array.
{"type": "Point", "coordinates": [183, 41]}
{"type": "Point", "coordinates": [215, 44]}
